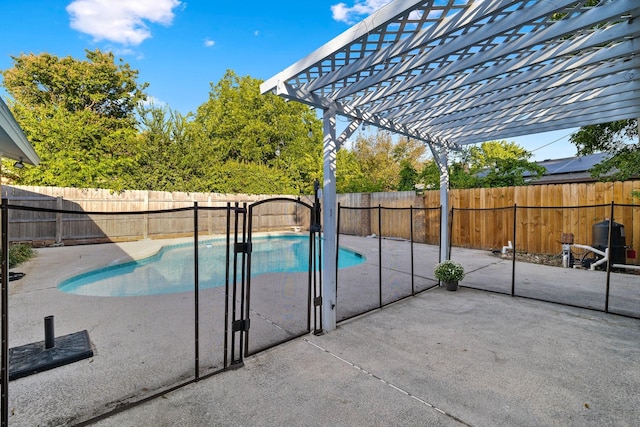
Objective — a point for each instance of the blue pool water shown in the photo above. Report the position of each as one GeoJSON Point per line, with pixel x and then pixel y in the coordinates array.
{"type": "Point", "coordinates": [171, 269]}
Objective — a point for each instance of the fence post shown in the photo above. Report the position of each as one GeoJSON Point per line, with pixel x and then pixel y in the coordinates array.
{"type": "Point", "coordinates": [413, 288]}
{"type": "Point", "coordinates": [145, 217]}
{"type": "Point", "coordinates": [380, 253]}
{"type": "Point", "coordinates": [450, 228]}
{"type": "Point", "coordinates": [365, 224]}
{"type": "Point", "coordinates": [610, 252]}
{"type": "Point", "coordinates": [209, 217]}
{"type": "Point", "coordinates": [515, 244]}
{"type": "Point", "coordinates": [196, 286]}
{"type": "Point", "coordinates": [58, 220]}
{"type": "Point", "coordinates": [5, 315]}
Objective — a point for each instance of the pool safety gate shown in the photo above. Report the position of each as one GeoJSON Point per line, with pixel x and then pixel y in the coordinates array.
{"type": "Point", "coordinates": [279, 307]}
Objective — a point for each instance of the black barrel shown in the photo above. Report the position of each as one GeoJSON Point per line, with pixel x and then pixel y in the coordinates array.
{"type": "Point", "coordinates": [600, 231]}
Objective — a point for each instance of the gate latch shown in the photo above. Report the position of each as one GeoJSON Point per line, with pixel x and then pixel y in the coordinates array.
{"type": "Point", "coordinates": [242, 247]}
{"type": "Point", "coordinates": [241, 325]}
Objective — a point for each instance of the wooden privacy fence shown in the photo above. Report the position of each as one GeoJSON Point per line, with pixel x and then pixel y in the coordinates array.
{"type": "Point", "coordinates": [482, 218]}
{"type": "Point", "coordinates": [134, 221]}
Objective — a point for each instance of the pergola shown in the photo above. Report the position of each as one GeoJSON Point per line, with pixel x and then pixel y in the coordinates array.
{"type": "Point", "coordinates": [457, 72]}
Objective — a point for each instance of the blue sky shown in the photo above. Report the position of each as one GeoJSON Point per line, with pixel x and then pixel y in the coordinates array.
{"type": "Point", "coordinates": [181, 46]}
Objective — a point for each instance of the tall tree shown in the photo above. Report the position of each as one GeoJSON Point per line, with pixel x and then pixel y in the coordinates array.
{"type": "Point", "coordinates": [375, 161]}
{"type": "Point", "coordinates": [243, 127]}
{"type": "Point", "coordinates": [502, 164]}
{"type": "Point", "coordinates": [171, 159]}
{"type": "Point", "coordinates": [490, 164]}
{"type": "Point", "coordinates": [616, 138]}
{"type": "Point", "coordinates": [80, 116]}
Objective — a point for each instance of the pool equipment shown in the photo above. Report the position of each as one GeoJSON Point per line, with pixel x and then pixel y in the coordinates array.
{"type": "Point", "coordinates": [600, 247]}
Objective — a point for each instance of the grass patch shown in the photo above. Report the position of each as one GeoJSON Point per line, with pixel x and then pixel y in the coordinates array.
{"type": "Point", "coordinates": [19, 253]}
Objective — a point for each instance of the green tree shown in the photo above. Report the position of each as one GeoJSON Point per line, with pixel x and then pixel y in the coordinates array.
{"type": "Point", "coordinates": [280, 140]}
{"type": "Point", "coordinates": [502, 164]}
{"type": "Point", "coordinates": [350, 177]}
{"type": "Point", "coordinates": [408, 176]}
{"type": "Point", "coordinates": [172, 158]}
{"type": "Point", "coordinates": [375, 162]}
{"type": "Point", "coordinates": [80, 116]}
{"type": "Point", "coordinates": [616, 139]}
{"type": "Point", "coordinates": [490, 164]}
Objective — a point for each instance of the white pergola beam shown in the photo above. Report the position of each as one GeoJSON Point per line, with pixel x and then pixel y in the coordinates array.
{"type": "Point", "coordinates": [531, 69]}
{"type": "Point", "coordinates": [496, 107]}
{"type": "Point", "coordinates": [310, 98]}
{"type": "Point", "coordinates": [469, 39]}
{"type": "Point", "coordinates": [477, 12]}
{"type": "Point", "coordinates": [498, 53]}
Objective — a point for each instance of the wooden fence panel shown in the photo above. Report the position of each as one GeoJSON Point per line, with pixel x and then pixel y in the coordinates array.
{"type": "Point", "coordinates": [547, 212]}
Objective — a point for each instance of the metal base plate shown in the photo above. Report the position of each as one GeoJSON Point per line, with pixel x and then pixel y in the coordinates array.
{"type": "Point", "coordinates": [32, 358]}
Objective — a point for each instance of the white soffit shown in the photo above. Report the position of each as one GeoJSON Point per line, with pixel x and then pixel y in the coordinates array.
{"type": "Point", "coordinates": [13, 143]}
{"type": "Point", "coordinates": [456, 72]}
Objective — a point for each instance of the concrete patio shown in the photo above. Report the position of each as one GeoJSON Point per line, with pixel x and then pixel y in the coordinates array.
{"type": "Point", "coordinates": [441, 359]}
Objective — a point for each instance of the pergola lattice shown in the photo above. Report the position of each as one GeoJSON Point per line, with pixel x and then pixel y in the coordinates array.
{"type": "Point", "coordinates": [457, 72]}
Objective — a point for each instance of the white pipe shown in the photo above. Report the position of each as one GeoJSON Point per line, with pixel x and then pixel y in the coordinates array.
{"type": "Point", "coordinates": [605, 254]}
{"type": "Point", "coordinates": [601, 261]}
{"type": "Point", "coordinates": [504, 248]}
{"type": "Point", "coordinates": [590, 248]}
{"type": "Point", "coordinates": [629, 266]}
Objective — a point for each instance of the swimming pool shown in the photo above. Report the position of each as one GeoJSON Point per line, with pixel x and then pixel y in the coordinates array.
{"type": "Point", "coordinates": [171, 270]}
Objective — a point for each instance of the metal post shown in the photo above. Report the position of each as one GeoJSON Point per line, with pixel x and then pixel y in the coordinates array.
{"type": "Point", "coordinates": [5, 315]}
{"type": "Point", "coordinates": [380, 254]}
{"type": "Point", "coordinates": [234, 293]}
{"type": "Point", "coordinates": [245, 269]}
{"type": "Point", "coordinates": [450, 228]}
{"type": "Point", "coordinates": [440, 236]}
{"type": "Point", "coordinates": [226, 289]}
{"type": "Point", "coordinates": [610, 255]}
{"type": "Point", "coordinates": [316, 258]}
{"type": "Point", "coordinates": [49, 334]}
{"type": "Point", "coordinates": [310, 272]}
{"type": "Point", "coordinates": [196, 286]}
{"type": "Point", "coordinates": [513, 260]}
{"type": "Point", "coordinates": [337, 251]}
{"type": "Point", "coordinates": [413, 289]}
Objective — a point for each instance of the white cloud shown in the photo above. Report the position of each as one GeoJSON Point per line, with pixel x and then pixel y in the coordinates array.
{"type": "Point", "coordinates": [153, 102]}
{"type": "Point", "coordinates": [209, 43]}
{"type": "Point", "coordinates": [120, 21]}
{"type": "Point", "coordinates": [362, 8]}
{"type": "Point", "coordinates": [256, 33]}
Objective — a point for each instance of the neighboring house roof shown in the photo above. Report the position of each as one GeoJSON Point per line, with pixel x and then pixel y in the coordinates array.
{"type": "Point", "coordinates": [13, 143]}
{"type": "Point", "coordinates": [570, 169]}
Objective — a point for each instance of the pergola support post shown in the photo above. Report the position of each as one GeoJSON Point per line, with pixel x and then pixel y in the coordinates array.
{"type": "Point", "coordinates": [329, 281]}
{"type": "Point", "coordinates": [440, 155]}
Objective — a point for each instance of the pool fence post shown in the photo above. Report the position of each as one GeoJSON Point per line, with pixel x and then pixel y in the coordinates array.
{"type": "Point", "coordinates": [5, 315]}
{"type": "Point", "coordinates": [380, 255]}
{"type": "Point", "coordinates": [196, 286]}
{"type": "Point", "coordinates": [515, 243]}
